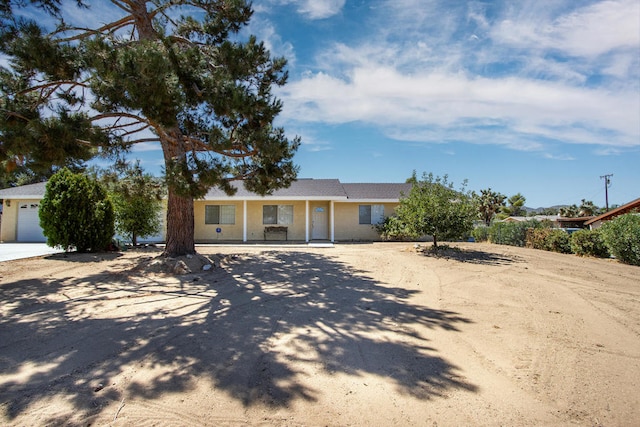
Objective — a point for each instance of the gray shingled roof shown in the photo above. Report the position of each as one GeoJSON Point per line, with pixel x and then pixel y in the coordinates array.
{"type": "Point", "coordinates": [331, 189]}
{"type": "Point", "coordinates": [31, 191]}
{"type": "Point", "coordinates": [300, 189]}
{"type": "Point", "coordinates": [372, 191]}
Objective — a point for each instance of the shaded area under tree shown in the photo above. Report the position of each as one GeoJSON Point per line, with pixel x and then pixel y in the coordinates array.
{"type": "Point", "coordinates": [226, 326]}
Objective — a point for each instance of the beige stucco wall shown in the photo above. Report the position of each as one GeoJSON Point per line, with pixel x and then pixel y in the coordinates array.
{"type": "Point", "coordinates": [9, 224]}
{"type": "Point", "coordinates": [255, 227]}
{"type": "Point", "coordinates": [347, 227]}
{"type": "Point", "coordinates": [206, 233]}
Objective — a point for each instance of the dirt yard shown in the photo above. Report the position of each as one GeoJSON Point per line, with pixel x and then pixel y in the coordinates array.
{"type": "Point", "coordinates": [354, 335]}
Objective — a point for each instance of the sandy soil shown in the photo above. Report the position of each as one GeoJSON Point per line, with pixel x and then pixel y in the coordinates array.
{"type": "Point", "coordinates": [355, 335]}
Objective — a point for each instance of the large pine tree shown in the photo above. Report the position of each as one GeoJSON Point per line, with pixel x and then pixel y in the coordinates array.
{"type": "Point", "coordinates": [172, 71]}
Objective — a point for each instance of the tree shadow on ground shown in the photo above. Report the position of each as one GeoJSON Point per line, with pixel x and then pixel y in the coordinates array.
{"type": "Point", "coordinates": [84, 257]}
{"type": "Point", "coordinates": [251, 327]}
{"type": "Point", "coordinates": [470, 256]}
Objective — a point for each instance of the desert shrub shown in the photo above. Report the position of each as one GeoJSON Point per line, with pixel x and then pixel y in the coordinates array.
{"type": "Point", "coordinates": [392, 228]}
{"type": "Point", "coordinates": [558, 240]}
{"type": "Point", "coordinates": [548, 239]}
{"type": "Point", "coordinates": [480, 234]}
{"type": "Point", "coordinates": [536, 238]}
{"type": "Point", "coordinates": [589, 243]}
{"type": "Point", "coordinates": [511, 233]}
{"type": "Point", "coordinates": [622, 237]}
{"type": "Point", "coordinates": [76, 212]}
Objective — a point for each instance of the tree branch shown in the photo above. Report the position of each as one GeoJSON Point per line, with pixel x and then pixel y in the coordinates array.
{"type": "Point", "coordinates": [87, 32]}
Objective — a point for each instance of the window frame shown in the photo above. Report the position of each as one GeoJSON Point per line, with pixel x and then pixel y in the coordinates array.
{"type": "Point", "coordinates": [278, 215]}
{"type": "Point", "coordinates": [221, 217]}
{"type": "Point", "coordinates": [374, 216]}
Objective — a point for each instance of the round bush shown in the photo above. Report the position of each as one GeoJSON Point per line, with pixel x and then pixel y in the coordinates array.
{"type": "Point", "coordinates": [480, 234]}
{"type": "Point", "coordinates": [76, 213]}
{"type": "Point", "coordinates": [589, 243]}
{"type": "Point", "coordinates": [622, 237]}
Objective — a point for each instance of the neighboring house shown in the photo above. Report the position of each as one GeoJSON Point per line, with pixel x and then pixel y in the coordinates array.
{"type": "Point", "coordinates": [552, 218]}
{"type": "Point", "coordinates": [310, 209]}
{"type": "Point", "coordinates": [556, 221]}
{"type": "Point", "coordinates": [597, 222]}
{"type": "Point", "coordinates": [577, 222]}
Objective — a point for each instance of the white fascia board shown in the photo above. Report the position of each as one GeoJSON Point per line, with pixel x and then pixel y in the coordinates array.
{"type": "Point", "coordinates": [21, 197]}
{"type": "Point", "coordinates": [273, 198]}
{"type": "Point", "coordinates": [378, 201]}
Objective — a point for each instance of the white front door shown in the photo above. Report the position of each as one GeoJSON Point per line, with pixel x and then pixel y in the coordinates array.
{"type": "Point", "coordinates": [29, 223]}
{"type": "Point", "coordinates": [320, 224]}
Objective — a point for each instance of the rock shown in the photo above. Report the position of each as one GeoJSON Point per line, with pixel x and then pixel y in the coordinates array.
{"type": "Point", "coordinates": [181, 268]}
{"type": "Point", "coordinates": [206, 267]}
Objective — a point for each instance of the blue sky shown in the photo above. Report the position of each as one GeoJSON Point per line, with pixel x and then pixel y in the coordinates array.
{"type": "Point", "coordinates": [540, 97]}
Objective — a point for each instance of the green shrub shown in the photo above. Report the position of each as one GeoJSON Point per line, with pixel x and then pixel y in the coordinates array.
{"type": "Point", "coordinates": [76, 213]}
{"type": "Point", "coordinates": [393, 229]}
{"type": "Point", "coordinates": [622, 237]}
{"type": "Point", "coordinates": [548, 239]}
{"type": "Point", "coordinates": [511, 233]}
{"type": "Point", "coordinates": [480, 234]}
{"type": "Point", "coordinates": [589, 243]}
{"type": "Point", "coordinates": [558, 241]}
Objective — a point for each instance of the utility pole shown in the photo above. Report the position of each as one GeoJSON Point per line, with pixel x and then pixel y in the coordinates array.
{"type": "Point", "coordinates": [607, 183]}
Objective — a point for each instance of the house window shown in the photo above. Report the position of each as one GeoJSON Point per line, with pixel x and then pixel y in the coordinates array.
{"type": "Point", "coordinates": [371, 214]}
{"type": "Point", "coordinates": [277, 214]}
{"type": "Point", "coordinates": [220, 214]}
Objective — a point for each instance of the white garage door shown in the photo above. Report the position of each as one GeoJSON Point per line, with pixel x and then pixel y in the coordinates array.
{"type": "Point", "coordinates": [29, 223]}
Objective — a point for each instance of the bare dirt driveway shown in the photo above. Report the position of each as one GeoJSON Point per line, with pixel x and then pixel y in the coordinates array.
{"type": "Point", "coordinates": [354, 335]}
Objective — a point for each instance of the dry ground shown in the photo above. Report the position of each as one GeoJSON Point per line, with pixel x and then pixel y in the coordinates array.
{"type": "Point", "coordinates": [360, 335]}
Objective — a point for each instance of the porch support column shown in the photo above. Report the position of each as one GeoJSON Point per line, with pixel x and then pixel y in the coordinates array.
{"type": "Point", "coordinates": [244, 221]}
{"type": "Point", "coordinates": [332, 221]}
{"type": "Point", "coordinates": [306, 221]}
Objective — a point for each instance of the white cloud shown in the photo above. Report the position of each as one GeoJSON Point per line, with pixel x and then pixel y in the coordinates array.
{"type": "Point", "coordinates": [265, 31]}
{"type": "Point", "coordinates": [589, 31]}
{"type": "Point", "coordinates": [389, 99]}
{"type": "Point", "coordinates": [319, 9]}
{"type": "Point", "coordinates": [438, 75]}
{"type": "Point", "coordinates": [143, 147]}
{"type": "Point", "coordinates": [313, 9]}
{"type": "Point", "coordinates": [563, 157]}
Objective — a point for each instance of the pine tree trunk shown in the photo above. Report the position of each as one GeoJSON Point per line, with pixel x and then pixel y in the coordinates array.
{"type": "Point", "coordinates": [180, 238]}
{"type": "Point", "coordinates": [180, 225]}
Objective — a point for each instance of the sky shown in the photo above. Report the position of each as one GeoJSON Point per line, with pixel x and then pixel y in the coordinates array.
{"type": "Point", "coordinates": [538, 97]}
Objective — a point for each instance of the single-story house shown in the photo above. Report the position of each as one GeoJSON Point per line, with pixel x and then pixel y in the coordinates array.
{"type": "Point", "coordinates": [596, 222]}
{"type": "Point", "coordinates": [310, 209]}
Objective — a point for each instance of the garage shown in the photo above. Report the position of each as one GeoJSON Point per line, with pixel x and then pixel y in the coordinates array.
{"type": "Point", "coordinates": [29, 223]}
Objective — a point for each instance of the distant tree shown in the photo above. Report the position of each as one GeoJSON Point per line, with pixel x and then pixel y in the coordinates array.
{"type": "Point", "coordinates": [488, 203]}
{"type": "Point", "coordinates": [571, 211]}
{"type": "Point", "coordinates": [187, 81]}
{"type": "Point", "coordinates": [76, 212]}
{"type": "Point", "coordinates": [548, 211]}
{"type": "Point", "coordinates": [435, 209]}
{"type": "Point", "coordinates": [587, 208]}
{"type": "Point", "coordinates": [137, 201]}
{"type": "Point", "coordinates": [514, 207]}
